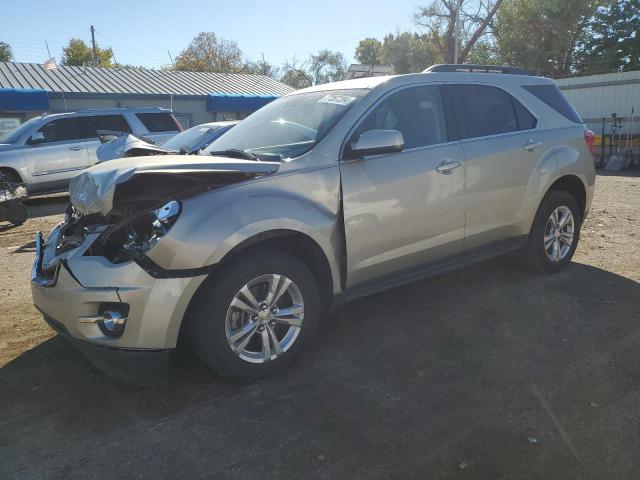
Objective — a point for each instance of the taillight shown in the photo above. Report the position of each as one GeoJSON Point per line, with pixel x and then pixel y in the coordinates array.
{"type": "Point", "coordinates": [590, 138]}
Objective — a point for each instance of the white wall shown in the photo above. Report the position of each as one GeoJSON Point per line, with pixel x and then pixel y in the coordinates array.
{"type": "Point", "coordinates": [598, 96]}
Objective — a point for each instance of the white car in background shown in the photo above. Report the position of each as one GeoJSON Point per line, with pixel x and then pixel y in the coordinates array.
{"type": "Point", "coordinates": [191, 141]}
{"type": "Point", "coordinates": [45, 152]}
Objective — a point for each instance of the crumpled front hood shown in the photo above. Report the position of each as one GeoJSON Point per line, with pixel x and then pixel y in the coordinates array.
{"type": "Point", "coordinates": [114, 184]}
{"type": "Point", "coordinates": [127, 146]}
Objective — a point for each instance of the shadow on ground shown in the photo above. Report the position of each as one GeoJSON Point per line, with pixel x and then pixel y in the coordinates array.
{"type": "Point", "coordinates": [49, 205]}
{"type": "Point", "coordinates": [485, 373]}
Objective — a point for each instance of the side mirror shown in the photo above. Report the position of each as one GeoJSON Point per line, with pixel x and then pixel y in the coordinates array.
{"type": "Point", "coordinates": [37, 137]}
{"type": "Point", "coordinates": [107, 137]}
{"type": "Point", "coordinates": [377, 142]}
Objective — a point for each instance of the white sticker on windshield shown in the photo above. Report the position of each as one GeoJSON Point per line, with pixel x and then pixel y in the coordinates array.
{"type": "Point", "coordinates": [337, 99]}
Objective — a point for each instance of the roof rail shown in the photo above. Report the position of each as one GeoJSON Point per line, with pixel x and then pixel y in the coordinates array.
{"type": "Point", "coordinates": [472, 68]}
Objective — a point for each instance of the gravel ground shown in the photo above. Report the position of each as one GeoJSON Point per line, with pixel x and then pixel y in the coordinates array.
{"type": "Point", "coordinates": [488, 372]}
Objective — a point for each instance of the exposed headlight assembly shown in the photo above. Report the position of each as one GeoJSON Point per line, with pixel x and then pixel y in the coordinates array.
{"type": "Point", "coordinates": [141, 233]}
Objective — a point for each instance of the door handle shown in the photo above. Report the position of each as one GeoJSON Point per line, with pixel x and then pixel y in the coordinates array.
{"type": "Point", "coordinates": [447, 166]}
{"type": "Point", "coordinates": [76, 149]}
{"type": "Point", "coordinates": [531, 145]}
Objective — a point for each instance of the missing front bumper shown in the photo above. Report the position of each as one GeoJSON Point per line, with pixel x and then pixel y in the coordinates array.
{"type": "Point", "coordinates": [131, 366]}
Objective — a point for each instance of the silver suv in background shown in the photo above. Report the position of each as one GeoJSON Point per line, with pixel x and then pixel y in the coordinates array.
{"type": "Point", "coordinates": [46, 151]}
{"type": "Point", "coordinates": [327, 194]}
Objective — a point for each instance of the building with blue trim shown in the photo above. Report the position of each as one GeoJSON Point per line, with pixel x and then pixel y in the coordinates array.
{"type": "Point", "coordinates": [28, 90]}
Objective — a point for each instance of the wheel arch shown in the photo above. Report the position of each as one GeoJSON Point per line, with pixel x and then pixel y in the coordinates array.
{"type": "Point", "coordinates": [292, 242]}
{"type": "Point", "coordinates": [12, 171]}
{"type": "Point", "coordinates": [575, 187]}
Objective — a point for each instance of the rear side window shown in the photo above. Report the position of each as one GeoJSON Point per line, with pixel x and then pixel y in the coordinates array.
{"type": "Point", "coordinates": [416, 112]}
{"type": "Point", "coordinates": [158, 122]}
{"type": "Point", "coordinates": [115, 123]}
{"type": "Point", "coordinates": [482, 110]}
{"type": "Point", "coordinates": [61, 130]}
{"type": "Point", "coordinates": [551, 95]}
{"type": "Point", "coordinates": [526, 120]}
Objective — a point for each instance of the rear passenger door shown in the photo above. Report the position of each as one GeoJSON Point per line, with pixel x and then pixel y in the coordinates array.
{"type": "Point", "coordinates": [92, 124]}
{"type": "Point", "coordinates": [404, 209]}
{"type": "Point", "coordinates": [502, 146]}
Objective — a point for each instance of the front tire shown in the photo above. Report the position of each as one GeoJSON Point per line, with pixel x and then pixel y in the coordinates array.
{"type": "Point", "coordinates": [253, 318]}
{"type": "Point", "coordinates": [554, 234]}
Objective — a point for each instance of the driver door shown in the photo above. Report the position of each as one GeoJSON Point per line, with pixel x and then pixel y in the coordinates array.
{"type": "Point", "coordinates": [406, 209]}
{"type": "Point", "coordinates": [60, 153]}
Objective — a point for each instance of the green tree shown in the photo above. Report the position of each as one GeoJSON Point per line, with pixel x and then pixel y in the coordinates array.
{"type": "Point", "coordinates": [368, 51]}
{"type": "Point", "coordinates": [261, 67]}
{"type": "Point", "coordinates": [6, 55]}
{"type": "Point", "coordinates": [295, 74]}
{"type": "Point", "coordinates": [327, 66]}
{"type": "Point", "coordinates": [408, 52]}
{"type": "Point", "coordinates": [441, 22]}
{"type": "Point", "coordinates": [78, 53]}
{"type": "Point", "coordinates": [542, 35]}
{"type": "Point", "coordinates": [485, 52]}
{"type": "Point", "coordinates": [612, 41]}
{"type": "Point", "coordinates": [207, 53]}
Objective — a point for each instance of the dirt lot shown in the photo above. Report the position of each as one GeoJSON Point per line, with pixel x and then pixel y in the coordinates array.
{"type": "Point", "coordinates": [489, 372]}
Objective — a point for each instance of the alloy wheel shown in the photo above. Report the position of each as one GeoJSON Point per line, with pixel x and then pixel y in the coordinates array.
{"type": "Point", "coordinates": [559, 234]}
{"type": "Point", "coordinates": [264, 319]}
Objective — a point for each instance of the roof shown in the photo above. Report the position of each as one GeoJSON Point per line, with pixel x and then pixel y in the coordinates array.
{"type": "Point", "coordinates": [134, 81]}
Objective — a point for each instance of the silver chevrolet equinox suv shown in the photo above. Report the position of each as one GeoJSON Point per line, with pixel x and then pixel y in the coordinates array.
{"type": "Point", "coordinates": [327, 194]}
{"type": "Point", "coordinates": [47, 151]}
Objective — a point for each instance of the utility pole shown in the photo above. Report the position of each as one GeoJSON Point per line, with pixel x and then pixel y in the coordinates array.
{"type": "Point", "coordinates": [93, 44]}
{"type": "Point", "coordinates": [456, 46]}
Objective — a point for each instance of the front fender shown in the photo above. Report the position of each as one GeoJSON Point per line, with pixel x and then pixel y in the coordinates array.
{"type": "Point", "coordinates": [212, 224]}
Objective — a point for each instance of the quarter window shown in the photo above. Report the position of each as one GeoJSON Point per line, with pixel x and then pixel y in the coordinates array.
{"type": "Point", "coordinates": [552, 96]}
{"type": "Point", "coordinates": [482, 110]}
{"type": "Point", "coordinates": [416, 112]}
{"type": "Point", "coordinates": [158, 122]}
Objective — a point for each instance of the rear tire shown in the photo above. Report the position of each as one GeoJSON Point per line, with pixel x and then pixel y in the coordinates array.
{"type": "Point", "coordinates": [554, 234]}
{"type": "Point", "coordinates": [217, 321]}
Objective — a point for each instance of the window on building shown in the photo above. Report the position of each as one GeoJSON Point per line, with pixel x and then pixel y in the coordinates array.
{"type": "Point", "coordinates": [158, 122]}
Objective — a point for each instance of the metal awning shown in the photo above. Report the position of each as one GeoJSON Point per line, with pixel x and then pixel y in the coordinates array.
{"type": "Point", "coordinates": [23, 100]}
{"type": "Point", "coordinates": [237, 102]}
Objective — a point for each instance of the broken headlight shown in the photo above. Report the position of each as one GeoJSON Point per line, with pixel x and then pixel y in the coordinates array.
{"type": "Point", "coordinates": [141, 233]}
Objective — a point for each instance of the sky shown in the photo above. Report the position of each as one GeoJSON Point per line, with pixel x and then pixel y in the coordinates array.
{"type": "Point", "coordinates": [141, 33]}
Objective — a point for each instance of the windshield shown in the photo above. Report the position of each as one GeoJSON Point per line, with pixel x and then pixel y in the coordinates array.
{"type": "Point", "coordinates": [191, 139]}
{"type": "Point", "coordinates": [12, 136]}
{"type": "Point", "coordinates": [290, 126]}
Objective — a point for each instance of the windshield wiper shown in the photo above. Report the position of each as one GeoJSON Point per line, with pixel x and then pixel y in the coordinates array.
{"type": "Point", "coordinates": [235, 153]}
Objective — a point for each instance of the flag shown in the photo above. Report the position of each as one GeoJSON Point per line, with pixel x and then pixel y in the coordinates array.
{"type": "Point", "coordinates": [50, 64]}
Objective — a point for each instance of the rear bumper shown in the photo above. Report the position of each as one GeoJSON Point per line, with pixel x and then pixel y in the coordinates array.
{"type": "Point", "coordinates": [131, 366]}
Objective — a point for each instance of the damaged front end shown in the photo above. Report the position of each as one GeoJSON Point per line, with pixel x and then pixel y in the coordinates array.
{"type": "Point", "coordinates": [132, 206]}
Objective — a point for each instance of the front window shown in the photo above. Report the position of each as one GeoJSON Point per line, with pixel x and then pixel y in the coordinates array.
{"type": "Point", "coordinates": [12, 136]}
{"type": "Point", "coordinates": [290, 126]}
{"type": "Point", "coordinates": [189, 140]}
